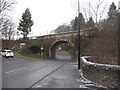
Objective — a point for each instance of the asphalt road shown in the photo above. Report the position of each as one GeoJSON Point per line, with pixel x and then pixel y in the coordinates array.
{"type": "Point", "coordinates": [20, 73]}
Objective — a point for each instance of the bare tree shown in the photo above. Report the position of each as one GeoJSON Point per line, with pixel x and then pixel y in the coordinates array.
{"type": "Point", "coordinates": [5, 23]}
{"type": "Point", "coordinates": [97, 12]}
{"type": "Point", "coordinates": [94, 11]}
{"type": "Point", "coordinates": [62, 28]}
{"type": "Point", "coordinates": [8, 31]}
{"type": "Point", "coordinates": [6, 5]}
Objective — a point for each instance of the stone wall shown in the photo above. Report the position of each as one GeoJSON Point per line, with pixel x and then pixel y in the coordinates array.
{"type": "Point", "coordinates": [103, 74]}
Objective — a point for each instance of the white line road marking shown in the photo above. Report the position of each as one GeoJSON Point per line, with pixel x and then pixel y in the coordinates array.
{"type": "Point", "coordinates": [10, 58]}
{"type": "Point", "coordinates": [21, 59]}
{"type": "Point", "coordinates": [15, 70]}
{"type": "Point", "coordinates": [78, 80]}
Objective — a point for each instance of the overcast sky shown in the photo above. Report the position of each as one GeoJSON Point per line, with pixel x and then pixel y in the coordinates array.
{"type": "Point", "coordinates": [48, 14]}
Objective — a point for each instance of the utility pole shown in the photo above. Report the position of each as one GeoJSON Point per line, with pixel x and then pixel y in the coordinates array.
{"type": "Point", "coordinates": [118, 42]}
{"type": "Point", "coordinates": [118, 34]}
{"type": "Point", "coordinates": [78, 35]}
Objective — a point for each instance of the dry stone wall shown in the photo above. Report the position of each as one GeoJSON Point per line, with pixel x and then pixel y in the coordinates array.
{"type": "Point", "coordinates": [103, 74]}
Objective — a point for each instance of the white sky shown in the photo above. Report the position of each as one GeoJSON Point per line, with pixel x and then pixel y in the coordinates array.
{"type": "Point", "coordinates": [48, 14]}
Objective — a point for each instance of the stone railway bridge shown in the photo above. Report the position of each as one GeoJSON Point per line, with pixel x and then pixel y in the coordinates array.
{"type": "Point", "coordinates": [50, 42]}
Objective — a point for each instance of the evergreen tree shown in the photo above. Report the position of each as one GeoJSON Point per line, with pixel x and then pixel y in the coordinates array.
{"type": "Point", "coordinates": [75, 25]}
{"type": "Point", "coordinates": [90, 23]}
{"type": "Point", "coordinates": [25, 23]}
{"type": "Point", "coordinates": [79, 20]}
{"type": "Point", "coordinates": [112, 10]}
{"type": "Point", "coordinates": [112, 19]}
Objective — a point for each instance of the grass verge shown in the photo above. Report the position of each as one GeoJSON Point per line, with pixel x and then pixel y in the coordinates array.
{"type": "Point", "coordinates": [25, 57]}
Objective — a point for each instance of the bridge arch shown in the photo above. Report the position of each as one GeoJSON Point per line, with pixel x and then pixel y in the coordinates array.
{"type": "Point", "coordinates": [57, 43]}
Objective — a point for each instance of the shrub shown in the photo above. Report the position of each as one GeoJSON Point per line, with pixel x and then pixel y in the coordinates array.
{"type": "Point", "coordinates": [34, 48]}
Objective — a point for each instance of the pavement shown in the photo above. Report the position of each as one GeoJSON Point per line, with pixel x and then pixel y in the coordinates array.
{"type": "Point", "coordinates": [68, 76]}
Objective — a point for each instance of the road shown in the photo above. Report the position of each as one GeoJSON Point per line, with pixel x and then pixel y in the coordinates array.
{"type": "Point", "coordinates": [20, 73]}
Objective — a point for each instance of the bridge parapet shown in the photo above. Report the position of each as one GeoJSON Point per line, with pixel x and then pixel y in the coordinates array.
{"type": "Point", "coordinates": [83, 32]}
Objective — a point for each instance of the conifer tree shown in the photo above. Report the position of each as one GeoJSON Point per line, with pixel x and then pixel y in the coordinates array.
{"type": "Point", "coordinates": [90, 23]}
{"type": "Point", "coordinates": [112, 10]}
{"type": "Point", "coordinates": [79, 20]}
{"type": "Point", "coordinates": [25, 23]}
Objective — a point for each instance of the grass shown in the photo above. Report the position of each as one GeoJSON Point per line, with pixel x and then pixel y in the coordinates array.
{"type": "Point", "coordinates": [25, 57]}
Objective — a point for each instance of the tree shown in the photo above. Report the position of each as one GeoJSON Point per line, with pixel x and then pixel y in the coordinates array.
{"type": "Point", "coordinates": [74, 23]}
{"type": "Point", "coordinates": [112, 10]}
{"type": "Point", "coordinates": [112, 19]}
{"type": "Point", "coordinates": [8, 31]}
{"type": "Point", "coordinates": [6, 5]}
{"type": "Point", "coordinates": [95, 10]}
{"type": "Point", "coordinates": [90, 23]}
{"type": "Point", "coordinates": [62, 28]}
{"type": "Point", "coordinates": [110, 22]}
{"type": "Point", "coordinates": [25, 23]}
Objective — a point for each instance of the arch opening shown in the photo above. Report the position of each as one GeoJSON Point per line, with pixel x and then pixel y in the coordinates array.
{"type": "Point", "coordinates": [63, 45]}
